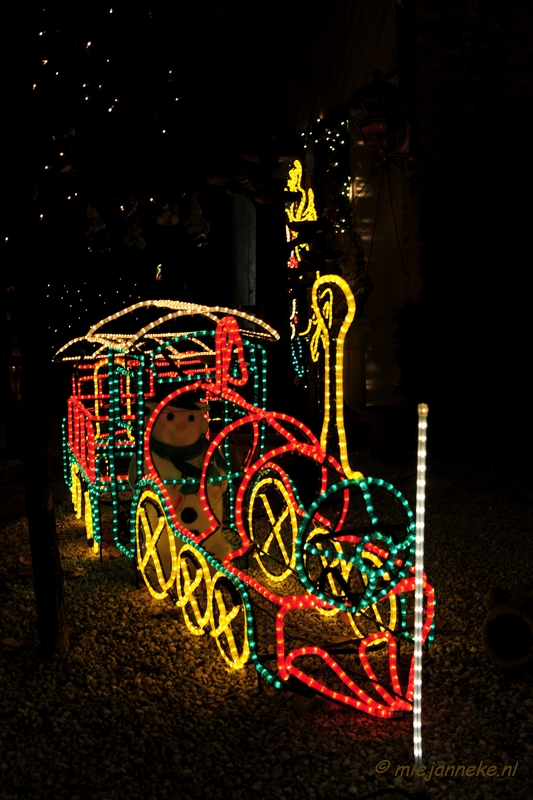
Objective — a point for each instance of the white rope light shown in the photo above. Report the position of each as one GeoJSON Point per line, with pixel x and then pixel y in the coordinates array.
{"type": "Point", "coordinates": [90, 340]}
{"type": "Point", "coordinates": [419, 587]}
{"type": "Point", "coordinates": [125, 342]}
{"type": "Point", "coordinates": [188, 309]}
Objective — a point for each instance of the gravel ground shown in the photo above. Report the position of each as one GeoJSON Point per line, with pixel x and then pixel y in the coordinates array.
{"type": "Point", "coordinates": [142, 709]}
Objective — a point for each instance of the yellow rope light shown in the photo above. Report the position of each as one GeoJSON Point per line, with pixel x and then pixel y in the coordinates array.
{"type": "Point", "coordinates": [89, 526]}
{"type": "Point", "coordinates": [190, 586]}
{"type": "Point", "coordinates": [393, 607]}
{"type": "Point", "coordinates": [151, 538]}
{"type": "Point", "coordinates": [302, 210]}
{"type": "Point", "coordinates": [345, 568]}
{"type": "Point", "coordinates": [235, 660]}
{"type": "Point", "coordinates": [97, 393]}
{"type": "Point", "coordinates": [276, 524]}
{"type": "Point", "coordinates": [88, 516]}
{"type": "Point", "coordinates": [323, 314]}
{"type": "Point", "coordinates": [76, 491]}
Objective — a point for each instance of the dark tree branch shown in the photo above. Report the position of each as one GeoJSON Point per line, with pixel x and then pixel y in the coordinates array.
{"type": "Point", "coordinates": [47, 570]}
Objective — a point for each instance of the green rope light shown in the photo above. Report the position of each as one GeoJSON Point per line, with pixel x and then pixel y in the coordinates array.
{"type": "Point", "coordinates": [218, 567]}
{"type": "Point", "coordinates": [372, 593]}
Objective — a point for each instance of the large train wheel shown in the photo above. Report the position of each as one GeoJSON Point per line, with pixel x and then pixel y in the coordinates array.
{"type": "Point", "coordinates": [228, 622]}
{"type": "Point", "coordinates": [323, 561]}
{"type": "Point", "coordinates": [374, 554]}
{"type": "Point", "coordinates": [194, 587]}
{"type": "Point", "coordinates": [273, 525]}
{"type": "Point", "coordinates": [156, 545]}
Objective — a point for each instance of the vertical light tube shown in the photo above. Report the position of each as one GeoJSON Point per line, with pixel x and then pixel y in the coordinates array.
{"type": "Point", "coordinates": [419, 588]}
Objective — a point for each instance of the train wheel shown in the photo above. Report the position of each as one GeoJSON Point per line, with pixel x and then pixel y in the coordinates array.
{"type": "Point", "coordinates": [341, 566]}
{"type": "Point", "coordinates": [156, 545]}
{"type": "Point", "coordinates": [194, 587]}
{"type": "Point", "coordinates": [228, 622]}
{"type": "Point", "coordinates": [355, 563]}
{"type": "Point", "coordinates": [76, 490]}
{"type": "Point", "coordinates": [91, 523]}
{"type": "Point", "coordinates": [273, 525]}
{"type": "Point", "coordinates": [324, 563]}
{"type": "Point", "coordinates": [385, 611]}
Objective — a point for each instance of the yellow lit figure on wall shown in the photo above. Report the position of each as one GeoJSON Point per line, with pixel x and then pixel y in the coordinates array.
{"type": "Point", "coordinates": [302, 210]}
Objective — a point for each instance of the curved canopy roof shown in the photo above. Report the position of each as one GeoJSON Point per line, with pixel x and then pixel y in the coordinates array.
{"type": "Point", "coordinates": [142, 326]}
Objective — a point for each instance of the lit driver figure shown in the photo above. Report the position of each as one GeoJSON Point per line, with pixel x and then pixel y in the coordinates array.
{"type": "Point", "coordinates": [178, 445]}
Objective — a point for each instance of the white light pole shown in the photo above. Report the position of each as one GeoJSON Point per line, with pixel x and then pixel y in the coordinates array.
{"type": "Point", "coordinates": [419, 588]}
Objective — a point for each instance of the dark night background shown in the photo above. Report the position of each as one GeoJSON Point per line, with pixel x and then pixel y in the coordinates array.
{"type": "Point", "coordinates": [466, 69]}
{"type": "Point", "coordinates": [129, 133]}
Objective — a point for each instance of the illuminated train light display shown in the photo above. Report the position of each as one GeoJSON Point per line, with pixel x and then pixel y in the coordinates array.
{"type": "Point", "coordinates": [309, 544]}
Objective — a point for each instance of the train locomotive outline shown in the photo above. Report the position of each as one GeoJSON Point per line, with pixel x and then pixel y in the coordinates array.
{"type": "Point", "coordinates": [298, 547]}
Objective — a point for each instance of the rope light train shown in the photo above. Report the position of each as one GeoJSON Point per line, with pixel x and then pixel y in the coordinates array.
{"type": "Point", "coordinates": [312, 580]}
